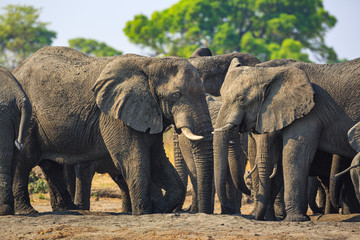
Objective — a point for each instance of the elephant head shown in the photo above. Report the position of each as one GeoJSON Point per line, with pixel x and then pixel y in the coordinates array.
{"type": "Point", "coordinates": [261, 100]}
{"type": "Point", "coordinates": [213, 69]}
{"type": "Point", "coordinates": [148, 94]}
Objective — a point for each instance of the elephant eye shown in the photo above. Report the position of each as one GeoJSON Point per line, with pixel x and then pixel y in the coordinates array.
{"type": "Point", "coordinates": [241, 99]}
{"type": "Point", "coordinates": [175, 96]}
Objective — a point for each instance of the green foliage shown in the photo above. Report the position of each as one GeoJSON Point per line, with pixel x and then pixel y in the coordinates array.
{"type": "Point", "coordinates": [37, 185]}
{"type": "Point", "coordinates": [93, 48]}
{"type": "Point", "coordinates": [21, 34]}
{"type": "Point", "coordinates": [266, 28]}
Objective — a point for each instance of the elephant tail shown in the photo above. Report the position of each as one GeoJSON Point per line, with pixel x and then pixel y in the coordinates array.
{"type": "Point", "coordinates": [25, 111]}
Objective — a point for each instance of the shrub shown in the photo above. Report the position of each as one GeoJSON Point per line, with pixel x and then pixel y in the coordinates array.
{"type": "Point", "coordinates": [37, 185]}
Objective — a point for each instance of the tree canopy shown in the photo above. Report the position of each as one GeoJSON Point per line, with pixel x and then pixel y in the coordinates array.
{"type": "Point", "coordinates": [268, 29]}
{"type": "Point", "coordinates": [93, 48]}
{"type": "Point", "coordinates": [21, 34]}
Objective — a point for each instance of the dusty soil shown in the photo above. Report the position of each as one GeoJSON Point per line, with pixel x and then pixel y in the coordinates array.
{"type": "Point", "coordinates": [105, 221]}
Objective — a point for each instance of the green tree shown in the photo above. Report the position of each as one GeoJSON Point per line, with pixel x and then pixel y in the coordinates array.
{"type": "Point", "coordinates": [21, 34]}
{"type": "Point", "coordinates": [266, 28]}
{"type": "Point", "coordinates": [93, 48]}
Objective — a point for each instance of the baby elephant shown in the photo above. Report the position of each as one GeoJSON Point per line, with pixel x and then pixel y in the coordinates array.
{"type": "Point", "coordinates": [354, 139]}
{"type": "Point", "coordinates": [15, 113]}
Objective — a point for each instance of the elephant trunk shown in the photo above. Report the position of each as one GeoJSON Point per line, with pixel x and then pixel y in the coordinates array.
{"type": "Point", "coordinates": [225, 124]}
{"type": "Point", "coordinates": [237, 162]}
{"type": "Point", "coordinates": [204, 164]}
{"type": "Point", "coordinates": [221, 146]}
{"type": "Point", "coordinates": [265, 169]}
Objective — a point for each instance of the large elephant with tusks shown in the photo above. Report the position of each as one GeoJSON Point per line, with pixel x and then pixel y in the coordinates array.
{"type": "Point", "coordinates": [88, 108]}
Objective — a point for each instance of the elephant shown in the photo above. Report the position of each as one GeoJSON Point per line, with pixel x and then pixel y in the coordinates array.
{"type": "Point", "coordinates": [310, 106]}
{"type": "Point", "coordinates": [79, 178]}
{"type": "Point", "coordinates": [212, 71]}
{"type": "Point", "coordinates": [354, 169]}
{"type": "Point", "coordinates": [15, 113]}
{"type": "Point", "coordinates": [235, 185]}
{"type": "Point", "coordinates": [91, 109]}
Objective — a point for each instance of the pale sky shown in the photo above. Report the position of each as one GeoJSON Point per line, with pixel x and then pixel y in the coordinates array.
{"type": "Point", "coordinates": [104, 20]}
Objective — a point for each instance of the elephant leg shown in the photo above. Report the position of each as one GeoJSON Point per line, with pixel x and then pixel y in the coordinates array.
{"type": "Point", "coordinates": [279, 206]}
{"type": "Point", "coordinates": [312, 193]}
{"type": "Point", "coordinates": [322, 195]}
{"type": "Point", "coordinates": [350, 203]}
{"type": "Point", "coordinates": [59, 196]}
{"type": "Point", "coordinates": [130, 152]}
{"type": "Point", "coordinates": [355, 175]}
{"type": "Point", "coordinates": [165, 176]}
{"type": "Point", "coordinates": [84, 174]}
{"type": "Point", "coordinates": [276, 206]}
{"type": "Point", "coordinates": [6, 161]}
{"type": "Point", "coordinates": [255, 175]}
{"type": "Point", "coordinates": [329, 208]}
{"type": "Point", "coordinates": [20, 184]}
{"type": "Point", "coordinates": [125, 195]}
{"type": "Point", "coordinates": [298, 152]}
{"type": "Point", "coordinates": [180, 166]}
{"type": "Point", "coordinates": [70, 176]}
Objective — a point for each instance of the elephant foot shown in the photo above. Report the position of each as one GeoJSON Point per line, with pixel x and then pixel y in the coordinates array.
{"type": "Point", "coordinates": [6, 209]}
{"type": "Point", "coordinates": [25, 210]}
{"type": "Point", "coordinates": [296, 217]}
{"type": "Point", "coordinates": [81, 207]}
{"type": "Point", "coordinates": [66, 208]}
{"type": "Point", "coordinates": [126, 209]}
{"type": "Point", "coordinates": [227, 210]}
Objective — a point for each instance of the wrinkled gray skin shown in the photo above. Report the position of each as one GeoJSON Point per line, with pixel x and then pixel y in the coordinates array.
{"type": "Point", "coordinates": [354, 139]}
{"type": "Point", "coordinates": [212, 71]}
{"type": "Point", "coordinates": [268, 201]}
{"type": "Point", "coordinates": [312, 106]}
{"type": "Point", "coordinates": [15, 113]}
{"type": "Point", "coordinates": [79, 178]}
{"type": "Point", "coordinates": [89, 109]}
{"type": "Point", "coordinates": [319, 178]}
{"type": "Point", "coordinates": [235, 185]}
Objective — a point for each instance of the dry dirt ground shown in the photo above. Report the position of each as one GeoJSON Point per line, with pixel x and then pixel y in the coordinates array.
{"type": "Point", "coordinates": [105, 221]}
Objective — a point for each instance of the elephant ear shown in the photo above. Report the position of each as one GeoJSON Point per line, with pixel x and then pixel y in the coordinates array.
{"type": "Point", "coordinates": [235, 62]}
{"type": "Point", "coordinates": [354, 137]}
{"type": "Point", "coordinates": [201, 52]}
{"type": "Point", "coordinates": [288, 96]}
{"type": "Point", "coordinates": [122, 91]}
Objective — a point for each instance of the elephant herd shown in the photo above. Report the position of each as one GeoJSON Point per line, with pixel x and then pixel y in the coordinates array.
{"type": "Point", "coordinates": [73, 114]}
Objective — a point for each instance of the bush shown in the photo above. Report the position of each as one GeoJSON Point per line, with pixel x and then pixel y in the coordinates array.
{"type": "Point", "coordinates": [37, 185]}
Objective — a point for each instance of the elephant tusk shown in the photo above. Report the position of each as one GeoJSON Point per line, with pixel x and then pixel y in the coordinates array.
{"type": "Point", "coordinates": [251, 172]}
{"type": "Point", "coordinates": [274, 171]}
{"type": "Point", "coordinates": [224, 128]}
{"type": "Point", "coordinates": [346, 170]}
{"type": "Point", "coordinates": [18, 145]}
{"type": "Point", "coordinates": [190, 135]}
